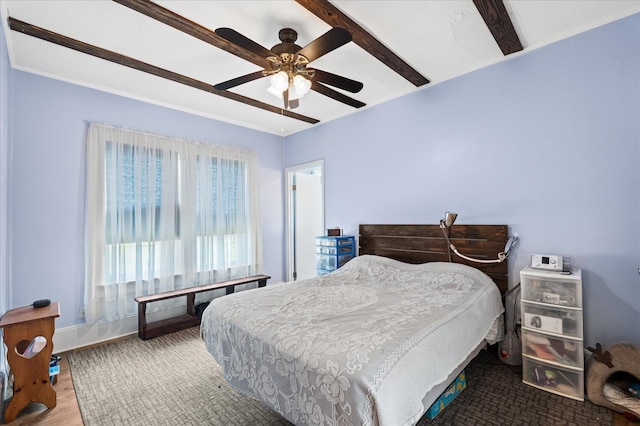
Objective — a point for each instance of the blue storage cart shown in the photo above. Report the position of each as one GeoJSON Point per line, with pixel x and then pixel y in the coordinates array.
{"type": "Point", "coordinates": [333, 252]}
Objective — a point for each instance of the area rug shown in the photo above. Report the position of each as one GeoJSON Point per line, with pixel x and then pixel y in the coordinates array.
{"type": "Point", "coordinates": [173, 380]}
{"type": "Point", "coordinates": [495, 395]}
{"type": "Point", "coordinates": [169, 380]}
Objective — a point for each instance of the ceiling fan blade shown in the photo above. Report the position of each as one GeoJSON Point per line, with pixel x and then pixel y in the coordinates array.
{"type": "Point", "coordinates": [294, 103]}
{"type": "Point", "coordinates": [239, 80]}
{"type": "Point", "coordinates": [246, 43]}
{"type": "Point", "coordinates": [333, 94]}
{"type": "Point", "coordinates": [338, 81]}
{"type": "Point", "coordinates": [324, 44]}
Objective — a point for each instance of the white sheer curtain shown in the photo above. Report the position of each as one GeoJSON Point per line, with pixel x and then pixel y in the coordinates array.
{"type": "Point", "coordinates": [162, 214]}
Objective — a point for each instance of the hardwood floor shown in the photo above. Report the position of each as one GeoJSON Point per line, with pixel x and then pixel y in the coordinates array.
{"type": "Point", "coordinates": [67, 411]}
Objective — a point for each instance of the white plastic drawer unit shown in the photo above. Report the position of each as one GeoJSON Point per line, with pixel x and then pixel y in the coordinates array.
{"type": "Point", "coordinates": [558, 380]}
{"type": "Point", "coordinates": [552, 346]}
{"type": "Point", "coordinates": [560, 351]}
{"type": "Point", "coordinates": [551, 319]}
{"type": "Point", "coordinates": [552, 288]}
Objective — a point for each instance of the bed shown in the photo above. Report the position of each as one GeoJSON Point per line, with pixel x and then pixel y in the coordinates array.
{"type": "Point", "coordinates": [373, 343]}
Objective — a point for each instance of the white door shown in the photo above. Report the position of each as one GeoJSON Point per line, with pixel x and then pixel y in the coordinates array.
{"type": "Point", "coordinates": [305, 218]}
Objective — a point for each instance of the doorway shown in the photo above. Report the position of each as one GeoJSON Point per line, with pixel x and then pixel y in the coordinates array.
{"type": "Point", "coordinates": [304, 217]}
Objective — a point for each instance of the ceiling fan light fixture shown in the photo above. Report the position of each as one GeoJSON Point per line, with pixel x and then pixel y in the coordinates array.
{"type": "Point", "coordinates": [289, 77]}
{"type": "Point", "coordinates": [297, 85]}
{"type": "Point", "coordinates": [280, 81]}
{"type": "Point", "coordinates": [301, 85]}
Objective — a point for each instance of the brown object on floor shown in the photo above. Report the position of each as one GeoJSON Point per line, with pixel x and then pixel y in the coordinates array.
{"type": "Point", "coordinates": [66, 411]}
{"type": "Point", "coordinates": [600, 355]}
{"type": "Point", "coordinates": [29, 362]}
{"type": "Point", "coordinates": [625, 358]}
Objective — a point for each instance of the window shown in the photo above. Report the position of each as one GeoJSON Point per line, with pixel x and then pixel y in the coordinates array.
{"type": "Point", "coordinates": [164, 214]}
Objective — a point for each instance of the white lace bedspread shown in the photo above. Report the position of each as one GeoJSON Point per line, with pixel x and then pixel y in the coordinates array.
{"type": "Point", "coordinates": [360, 346]}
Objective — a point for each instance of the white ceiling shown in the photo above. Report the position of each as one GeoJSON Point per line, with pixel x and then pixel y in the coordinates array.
{"type": "Point", "coordinates": [440, 39]}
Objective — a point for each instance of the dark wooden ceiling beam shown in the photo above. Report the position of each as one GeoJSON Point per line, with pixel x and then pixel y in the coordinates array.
{"type": "Point", "coordinates": [192, 28]}
{"type": "Point", "coordinates": [336, 18]}
{"type": "Point", "coordinates": [496, 17]}
{"type": "Point", "coordinates": [108, 55]}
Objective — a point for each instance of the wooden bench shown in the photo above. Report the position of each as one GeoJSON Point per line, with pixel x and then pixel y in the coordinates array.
{"type": "Point", "coordinates": [190, 319]}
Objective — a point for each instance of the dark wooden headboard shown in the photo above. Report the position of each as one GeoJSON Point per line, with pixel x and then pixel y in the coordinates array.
{"type": "Point", "coordinates": [426, 243]}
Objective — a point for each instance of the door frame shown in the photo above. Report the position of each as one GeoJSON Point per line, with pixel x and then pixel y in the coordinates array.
{"type": "Point", "coordinates": [289, 215]}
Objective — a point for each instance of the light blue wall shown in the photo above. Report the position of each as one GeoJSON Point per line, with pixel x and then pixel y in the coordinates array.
{"type": "Point", "coordinates": [48, 181]}
{"type": "Point", "coordinates": [547, 142]}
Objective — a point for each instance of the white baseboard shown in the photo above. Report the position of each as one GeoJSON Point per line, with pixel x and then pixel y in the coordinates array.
{"type": "Point", "coordinates": [82, 335]}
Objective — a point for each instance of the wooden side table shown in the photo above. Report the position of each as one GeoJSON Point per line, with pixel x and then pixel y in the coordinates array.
{"type": "Point", "coordinates": [30, 375]}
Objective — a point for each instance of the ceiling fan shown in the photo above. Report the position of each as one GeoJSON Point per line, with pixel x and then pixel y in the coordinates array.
{"type": "Point", "coordinates": [290, 77]}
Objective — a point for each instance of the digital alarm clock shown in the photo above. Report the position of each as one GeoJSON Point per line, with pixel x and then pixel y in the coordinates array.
{"type": "Point", "coordinates": [334, 232]}
{"type": "Point", "coordinates": [549, 262]}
